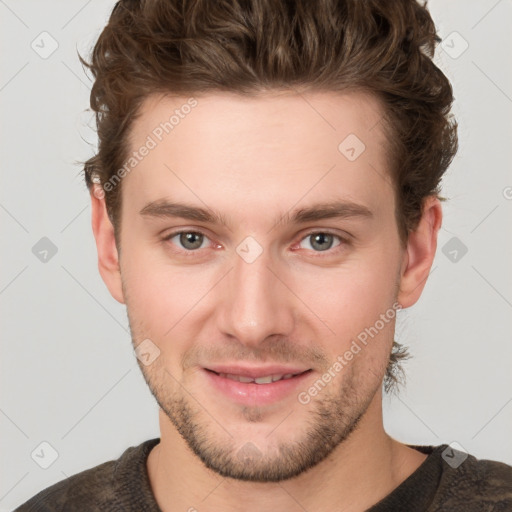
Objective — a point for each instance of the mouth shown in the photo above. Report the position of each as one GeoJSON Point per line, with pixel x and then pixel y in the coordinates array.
{"type": "Point", "coordinates": [257, 386]}
{"type": "Point", "coordinates": [266, 379]}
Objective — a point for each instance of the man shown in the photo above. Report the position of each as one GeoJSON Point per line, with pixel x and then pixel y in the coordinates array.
{"type": "Point", "coordinates": [265, 198]}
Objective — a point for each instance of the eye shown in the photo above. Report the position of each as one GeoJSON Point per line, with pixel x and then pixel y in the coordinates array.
{"type": "Point", "coordinates": [321, 241]}
{"type": "Point", "coordinates": [189, 240]}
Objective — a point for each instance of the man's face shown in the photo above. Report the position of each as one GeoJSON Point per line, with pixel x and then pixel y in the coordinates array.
{"type": "Point", "coordinates": [263, 289]}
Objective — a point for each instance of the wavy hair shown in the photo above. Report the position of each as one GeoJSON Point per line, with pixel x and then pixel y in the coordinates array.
{"type": "Point", "coordinates": [186, 47]}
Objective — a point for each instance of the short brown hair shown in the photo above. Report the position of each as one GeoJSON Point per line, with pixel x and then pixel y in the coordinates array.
{"type": "Point", "coordinates": [186, 47]}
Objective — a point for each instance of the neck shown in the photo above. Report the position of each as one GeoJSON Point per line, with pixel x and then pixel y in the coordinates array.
{"type": "Point", "coordinates": [362, 470]}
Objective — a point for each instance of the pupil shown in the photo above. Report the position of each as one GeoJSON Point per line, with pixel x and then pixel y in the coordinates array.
{"type": "Point", "coordinates": [321, 238]}
{"type": "Point", "coordinates": [191, 240]}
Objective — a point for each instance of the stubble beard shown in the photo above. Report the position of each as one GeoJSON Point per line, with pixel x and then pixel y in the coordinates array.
{"type": "Point", "coordinates": [330, 419]}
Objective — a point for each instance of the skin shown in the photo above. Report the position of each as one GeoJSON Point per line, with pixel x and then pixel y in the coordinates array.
{"type": "Point", "coordinates": [253, 160]}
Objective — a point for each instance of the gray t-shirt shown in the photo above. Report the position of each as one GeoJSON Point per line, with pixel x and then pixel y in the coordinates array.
{"type": "Point", "coordinates": [447, 480]}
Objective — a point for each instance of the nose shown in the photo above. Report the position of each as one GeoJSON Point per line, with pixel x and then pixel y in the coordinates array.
{"type": "Point", "coordinates": [255, 303]}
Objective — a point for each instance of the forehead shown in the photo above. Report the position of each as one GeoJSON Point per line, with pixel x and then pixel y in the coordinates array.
{"type": "Point", "coordinates": [261, 117]}
{"type": "Point", "coordinates": [260, 149]}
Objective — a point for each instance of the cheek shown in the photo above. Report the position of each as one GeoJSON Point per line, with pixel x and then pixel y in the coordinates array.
{"type": "Point", "coordinates": [153, 292]}
{"type": "Point", "coordinates": [160, 301]}
{"type": "Point", "coordinates": [350, 300]}
{"type": "Point", "coordinates": [352, 294]}
{"type": "Point", "coordinates": [162, 297]}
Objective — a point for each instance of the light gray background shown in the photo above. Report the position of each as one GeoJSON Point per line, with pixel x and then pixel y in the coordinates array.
{"type": "Point", "coordinates": [68, 373]}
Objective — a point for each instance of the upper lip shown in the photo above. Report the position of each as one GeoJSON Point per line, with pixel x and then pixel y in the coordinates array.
{"type": "Point", "coordinates": [256, 371]}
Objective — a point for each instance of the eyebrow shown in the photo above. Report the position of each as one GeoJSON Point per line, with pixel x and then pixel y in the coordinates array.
{"type": "Point", "coordinates": [338, 209]}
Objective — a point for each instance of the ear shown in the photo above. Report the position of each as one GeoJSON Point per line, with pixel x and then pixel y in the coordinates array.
{"type": "Point", "coordinates": [108, 258]}
{"type": "Point", "coordinates": [420, 253]}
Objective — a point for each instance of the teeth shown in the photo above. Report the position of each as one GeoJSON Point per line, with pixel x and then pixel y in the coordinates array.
{"type": "Point", "coordinates": [264, 380]}
{"type": "Point", "coordinates": [268, 379]}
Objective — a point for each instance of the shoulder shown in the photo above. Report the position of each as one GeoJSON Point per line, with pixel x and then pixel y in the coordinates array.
{"type": "Point", "coordinates": [468, 483]}
{"type": "Point", "coordinates": [98, 488]}
{"type": "Point", "coordinates": [92, 486]}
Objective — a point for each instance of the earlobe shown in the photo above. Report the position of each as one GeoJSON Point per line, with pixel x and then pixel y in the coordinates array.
{"type": "Point", "coordinates": [420, 253]}
{"type": "Point", "coordinates": [108, 257]}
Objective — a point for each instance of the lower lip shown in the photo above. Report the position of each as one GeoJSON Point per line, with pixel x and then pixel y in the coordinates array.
{"type": "Point", "coordinates": [250, 393]}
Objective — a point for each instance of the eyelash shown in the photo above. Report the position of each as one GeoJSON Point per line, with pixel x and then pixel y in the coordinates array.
{"type": "Point", "coordinates": [194, 253]}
